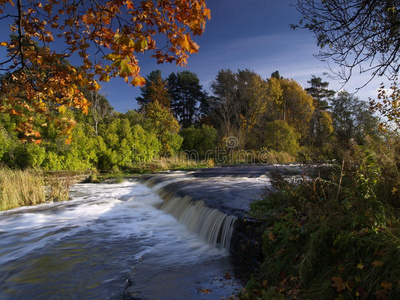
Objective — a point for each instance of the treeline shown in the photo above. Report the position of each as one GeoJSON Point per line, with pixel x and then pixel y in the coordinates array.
{"type": "Point", "coordinates": [176, 114]}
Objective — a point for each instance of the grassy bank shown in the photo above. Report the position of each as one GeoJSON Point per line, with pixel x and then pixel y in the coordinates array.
{"type": "Point", "coordinates": [335, 235]}
{"type": "Point", "coordinates": [20, 188]}
{"type": "Point", "coordinates": [30, 187]}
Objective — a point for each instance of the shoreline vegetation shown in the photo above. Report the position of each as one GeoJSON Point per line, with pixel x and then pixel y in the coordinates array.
{"type": "Point", "coordinates": [333, 234]}
{"type": "Point", "coordinates": [35, 186]}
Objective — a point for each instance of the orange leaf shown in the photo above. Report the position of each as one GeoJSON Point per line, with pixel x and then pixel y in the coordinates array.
{"type": "Point", "coordinates": [205, 291]}
{"type": "Point", "coordinates": [338, 283]}
{"type": "Point", "coordinates": [207, 13]}
{"type": "Point", "coordinates": [272, 236]}
{"type": "Point", "coordinates": [138, 80]}
{"type": "Point", "coordinates": [377, 263]}
{"type": "Point", "coordinates": [386, 285]}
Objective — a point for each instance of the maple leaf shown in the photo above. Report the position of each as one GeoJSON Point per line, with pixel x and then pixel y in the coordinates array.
{"type": "Point", "coordinates": [338, 284]}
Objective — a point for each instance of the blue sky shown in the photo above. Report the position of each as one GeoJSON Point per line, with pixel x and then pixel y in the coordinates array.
{"type": "Point", "coordinates": [252, 34]}
{"type": "Point", "coordinates": [242, 34]}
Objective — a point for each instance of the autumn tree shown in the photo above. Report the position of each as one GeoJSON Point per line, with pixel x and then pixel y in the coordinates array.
{"type": "Point", "coordinates": [298, 106]}
{"type": "Point", "coordinates": [356, 35]}
{"type": "Point", "coordinates": [155, 88]}
{"type": "Point", "coordinates": [186, 94]}
{"type": "Point", "coordinates": [103, 38]}
{"type": "Point", "coordinates": [241, 100]}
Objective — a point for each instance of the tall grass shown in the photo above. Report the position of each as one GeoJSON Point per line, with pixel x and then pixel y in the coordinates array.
{"type": "Point", "coordinates": [19, 188]}
{"type": "Point", "coordinates": [333, 235]}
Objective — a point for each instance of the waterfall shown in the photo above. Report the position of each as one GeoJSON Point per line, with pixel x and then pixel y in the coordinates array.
{"type": "Point", "coordinates": [211, 225]}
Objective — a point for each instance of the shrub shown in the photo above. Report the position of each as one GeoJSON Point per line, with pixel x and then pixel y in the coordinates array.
{"type": "Point", "coordinates": [280, 136]}
{"type": "Point", "coordinates": [202, 140]}
{"type": "Point", "coordinates": [335, 235]}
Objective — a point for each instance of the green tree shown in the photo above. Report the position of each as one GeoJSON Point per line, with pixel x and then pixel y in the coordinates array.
{"type": "Point", "coordinates": [100, 109]}
{"type": "Point", "coordinates": [240, 101]}
{"type": "Point", "coordinates": [202, 140]}
{"type": "Point", "coordinates": [280, 136]}
{"type": "Point", "coordinates": [166, 127]}
{"type": "Point", "coordinates": [352, 118]}
{"type": "Point", "coordinates": [186, 95]}
{"type": "Point", "coordinates": [320, 92]}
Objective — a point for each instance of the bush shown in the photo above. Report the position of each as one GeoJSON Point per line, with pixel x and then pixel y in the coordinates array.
{"type": "Point", "coordinates": [333, 236]}
{"type": "Point", "coordinates": [280, 136]}
{"type": "Point", "coordinates": [202, 140]}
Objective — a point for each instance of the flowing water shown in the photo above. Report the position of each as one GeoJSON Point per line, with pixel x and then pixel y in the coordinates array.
{"type": "Point", "coordinates": [166, 238]}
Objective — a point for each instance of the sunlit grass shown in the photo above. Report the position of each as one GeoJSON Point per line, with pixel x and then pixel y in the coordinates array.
{"type": "Point", "coordinates": [20, 188]}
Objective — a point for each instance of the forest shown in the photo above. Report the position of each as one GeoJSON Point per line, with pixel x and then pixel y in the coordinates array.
{"type": "Point", "coordinates": [276, 117]}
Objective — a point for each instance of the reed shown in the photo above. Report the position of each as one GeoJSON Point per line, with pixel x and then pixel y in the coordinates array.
{"type": "Point", "coordinates": [20, 188]}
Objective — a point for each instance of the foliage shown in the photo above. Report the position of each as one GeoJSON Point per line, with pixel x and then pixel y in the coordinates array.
{"type": "Point", "coordinates": [280, 136]}
{"type": "Point", "coordinates": [199, 141]}
{"type": "Point", "coordinates": [334, 235]}
{"type": "Point", "coordinates": [352, 118]}
{"type": "Point", "coordinates": [355, 33]}
{"type": "Point", "coordinates": [388, 105]}
{"type": "Point", "coordinates": [320, 92]}
{"type": "Point", "coordinates": [37, 77]}
{"type": "Point", "coordinates": [155, 88]}
{"type": "Point", "coordinates": [186, 94]}
{"type": "Point", "coordinates": [165, 126]}
{"type": "Point", "coordinates": [240, 102]}
{"type": "Point", "coordinates": [297, 106]}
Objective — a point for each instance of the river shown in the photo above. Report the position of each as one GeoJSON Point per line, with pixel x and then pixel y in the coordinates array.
{"type": "Point", "coordinates": [112, 240]}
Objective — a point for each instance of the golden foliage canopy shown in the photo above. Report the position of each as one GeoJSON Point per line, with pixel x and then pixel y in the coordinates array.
{"type": "Point", "coordinates": [106, 38]}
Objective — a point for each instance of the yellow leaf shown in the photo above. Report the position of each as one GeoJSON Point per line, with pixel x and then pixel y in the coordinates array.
{"type": "Point", "coordinates": [360, 266]}
{"type": "Point", "coordinates": [62, 109]}
{"type": "Point", "coordinates": [138, 80]}
{"type": "Point", "coordinates": [185, 43]}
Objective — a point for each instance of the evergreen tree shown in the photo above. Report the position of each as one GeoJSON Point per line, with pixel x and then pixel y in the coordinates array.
{"type": "Point", "coordinates": [321, 95]}
{"type": "Point", "coordinates": [186, 94]}
{"type": "Point", "coordinates": [154, 89]}
{"type": "Point", "coordinates": [320, 92]}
